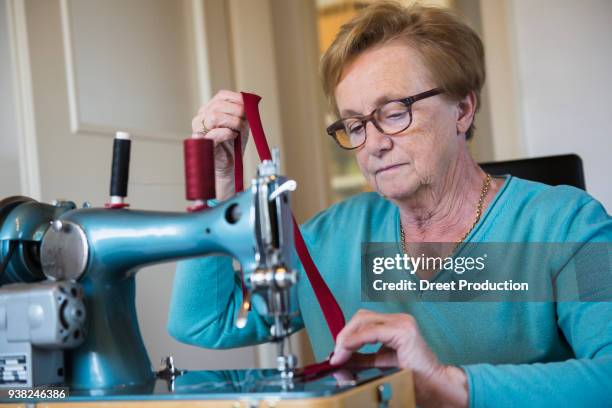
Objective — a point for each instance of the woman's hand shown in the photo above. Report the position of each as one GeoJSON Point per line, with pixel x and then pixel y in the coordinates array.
{"type": "Point", "coordinates": [404, 347]}
{"type": "Point", "coordinates": [221, 120]}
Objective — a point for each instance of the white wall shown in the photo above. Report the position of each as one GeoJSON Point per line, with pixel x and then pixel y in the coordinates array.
{"type": "Point", "coordinates": [140, 79]}
{"type": "Point", "coordinates": [9, 165]}
{"type": "Point", "coordinates": [501, 91]}
{"type": "Point", "coordinates": [564, 59]}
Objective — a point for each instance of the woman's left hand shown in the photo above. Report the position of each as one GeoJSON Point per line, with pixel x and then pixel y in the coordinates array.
{"type": "Point", "coordinates": [402, 346]}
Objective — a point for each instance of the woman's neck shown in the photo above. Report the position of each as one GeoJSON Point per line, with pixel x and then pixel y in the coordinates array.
{"type": "Point", "coordinates": [445, 210]}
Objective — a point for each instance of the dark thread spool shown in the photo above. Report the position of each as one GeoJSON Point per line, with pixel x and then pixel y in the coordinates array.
{"type": "Point", "coordinates": [120, 167]}
{"type": "Point", "coordinates": [199, 169]}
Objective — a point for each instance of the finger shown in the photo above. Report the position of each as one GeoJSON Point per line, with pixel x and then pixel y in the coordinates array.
{"type": "Point", "coordinates": [343, 376]}
{"type": "Point", "coordinates": [223, 120]}
{"type": "Point", "coordinates": [232, 96]}
{"type": "Point", "coordinates": [196, 124]}
{"type": "Point", "coordinates": [345, 351]}
{"type": "Point", "coordinates": [231, 108]}
{"type": "Point", "coordinates": [390, 333]}
{"type": "Point", "coordinates": [362, 317]}
{"type": "Point", "coordinates": [366, 317]}
{"type": "Point", "coordinates": [369, 333]}
{"type": "Point", "coordinates": [341, 354]}
{"type": "Point", "coordinates": [216, 119]}
{"type": "Point", "coordinates": [220, 135]}
{"type": "Point", "coordinates": [384, 357]}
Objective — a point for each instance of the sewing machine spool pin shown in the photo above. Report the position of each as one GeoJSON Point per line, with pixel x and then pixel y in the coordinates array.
{"type": "Point", "coordinates": [120, 170]}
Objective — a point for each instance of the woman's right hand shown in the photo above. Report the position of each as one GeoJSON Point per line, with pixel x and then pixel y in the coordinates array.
{"type": "Point", "coordinates": [224, 118]}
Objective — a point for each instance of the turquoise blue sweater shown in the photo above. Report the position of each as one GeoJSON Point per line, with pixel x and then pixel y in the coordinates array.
{"type": "Point", "coordinates": [514, 353]}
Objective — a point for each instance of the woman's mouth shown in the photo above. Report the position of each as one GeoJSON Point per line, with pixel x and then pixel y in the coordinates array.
{"type": "Point", "coordinates": [389, 168]}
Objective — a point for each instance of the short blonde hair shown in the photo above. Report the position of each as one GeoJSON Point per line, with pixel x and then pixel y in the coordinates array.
{"type": "Point", "coordinates": [451, 51]}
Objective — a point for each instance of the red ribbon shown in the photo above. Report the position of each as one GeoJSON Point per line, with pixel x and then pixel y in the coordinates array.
{"type": "Point", "coordinates": [316, 370]}
{"type": "Point", "coordinates": [238, 170]}
{"type": "Point", "coordinates": [330, 308]}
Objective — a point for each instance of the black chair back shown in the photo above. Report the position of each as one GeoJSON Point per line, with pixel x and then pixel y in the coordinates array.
{"type": "Point", "coordinates": [552, 170]}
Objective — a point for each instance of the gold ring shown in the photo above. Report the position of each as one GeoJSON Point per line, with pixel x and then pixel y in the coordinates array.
{"type": "Point", "coordinates": [204, 130]}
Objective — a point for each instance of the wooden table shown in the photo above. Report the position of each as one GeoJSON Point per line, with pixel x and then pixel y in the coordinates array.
{"type": "Point", "coordinates": [398, 386]}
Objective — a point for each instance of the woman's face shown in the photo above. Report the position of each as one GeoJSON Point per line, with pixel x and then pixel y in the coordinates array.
{"type": "Point", "coordinates": [398, 166]}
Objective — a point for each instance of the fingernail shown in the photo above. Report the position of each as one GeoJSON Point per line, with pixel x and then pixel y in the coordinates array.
{"type": "Point", "coordinates": [334, 358]}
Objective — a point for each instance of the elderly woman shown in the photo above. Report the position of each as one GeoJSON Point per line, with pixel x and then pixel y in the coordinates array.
{"type": "Point", "coordinates": [405, 83]}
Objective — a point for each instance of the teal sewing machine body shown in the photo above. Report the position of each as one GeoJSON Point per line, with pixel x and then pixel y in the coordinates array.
{"type": "Point", "coordinates": [103, 249]}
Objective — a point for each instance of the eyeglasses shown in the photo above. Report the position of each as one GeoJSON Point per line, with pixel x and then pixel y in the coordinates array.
{"type": "Point", "coordinates": [391, 118]}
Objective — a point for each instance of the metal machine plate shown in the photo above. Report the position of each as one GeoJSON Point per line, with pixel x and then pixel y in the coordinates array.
{"type": "Point", "coordinates": [253, 384]}
{"type": "Point", "coordinates": [64, 251]}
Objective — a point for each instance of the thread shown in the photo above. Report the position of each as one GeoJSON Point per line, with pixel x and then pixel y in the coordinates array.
{"type": "Point", "coordinates": [199, 169]}
{"type": "Point", "coordinates": [120, 167]}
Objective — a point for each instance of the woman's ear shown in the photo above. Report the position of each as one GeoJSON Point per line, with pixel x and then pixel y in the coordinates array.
{"type": "Point", "coordinates": [467, 110]}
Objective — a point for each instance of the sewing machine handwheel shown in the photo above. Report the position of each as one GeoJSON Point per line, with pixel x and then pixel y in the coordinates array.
{"type": "Point", "coordinates": [9, 203]}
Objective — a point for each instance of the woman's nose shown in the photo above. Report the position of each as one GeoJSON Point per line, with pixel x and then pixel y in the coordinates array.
{"type": "Point", "coordinates": [376, 141]}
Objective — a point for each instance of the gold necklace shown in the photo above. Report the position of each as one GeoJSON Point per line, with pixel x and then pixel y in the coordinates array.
{"type": "Point", "coordinates": [486, 185]}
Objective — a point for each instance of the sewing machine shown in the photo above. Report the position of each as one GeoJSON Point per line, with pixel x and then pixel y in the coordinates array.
{"type": "Point", "coordinates": [72, 270]}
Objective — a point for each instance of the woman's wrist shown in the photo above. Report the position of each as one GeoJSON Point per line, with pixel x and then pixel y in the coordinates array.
{"type": "Point", "coordinates": [224, 186]}
{"type": "Point", "coordinates": [458, 386]}
{"type": "Point", "coordinates": [448, 388]}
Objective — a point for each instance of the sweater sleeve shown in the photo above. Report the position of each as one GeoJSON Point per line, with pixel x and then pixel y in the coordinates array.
{"type": "Point", "coordinates": [584, 381]}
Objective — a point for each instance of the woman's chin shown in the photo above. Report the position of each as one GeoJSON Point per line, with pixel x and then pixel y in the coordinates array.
{"type": "Point", "coordinates": [394, 189]}
{"type": "Point", "coordinates": [395, 184]}
{"type": "Point", "coordinates": [395, 192]}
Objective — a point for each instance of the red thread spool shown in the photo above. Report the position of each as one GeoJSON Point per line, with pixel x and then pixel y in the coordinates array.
{"type": "Point", "coordinates": [199, 169]}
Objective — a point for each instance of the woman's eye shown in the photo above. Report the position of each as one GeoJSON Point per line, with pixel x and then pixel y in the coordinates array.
{"type": "Point", "coordinates": [355, 128]}
{"type": "Point", "coordinates": [396, 115]}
